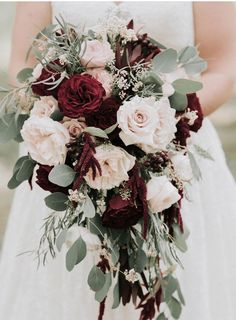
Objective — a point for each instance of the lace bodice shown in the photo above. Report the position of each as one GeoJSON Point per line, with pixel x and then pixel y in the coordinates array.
{"type": "Point", "coordinates": [171, 23]}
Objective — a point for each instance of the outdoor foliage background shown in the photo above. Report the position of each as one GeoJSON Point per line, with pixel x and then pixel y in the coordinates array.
{"type": "Point", "coordinates": [224, 120]}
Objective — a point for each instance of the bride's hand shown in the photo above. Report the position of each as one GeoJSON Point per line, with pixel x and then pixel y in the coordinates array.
{"type": "Point", "coordinates": [31, 17]}
{"type": "Point", "coordinates": [215, 33]}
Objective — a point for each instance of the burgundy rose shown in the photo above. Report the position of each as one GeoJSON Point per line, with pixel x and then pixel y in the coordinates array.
{"type": "Point", "coordinates": [106, 115]}
{"type": "Point", "coordinates": [49, 75]}
{"type": "Point", "coordinates": [183, 131]}
{"type": "Point", "coordinates": [80, 95]}
{"type": "Point", "coordinates": [42, 180]}
{"type": "Point", "coordinates": [123, 213]}
{"type": "Point", "coordinates": [194, 105]}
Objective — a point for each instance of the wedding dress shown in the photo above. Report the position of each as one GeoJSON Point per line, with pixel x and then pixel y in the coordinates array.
{"type": "Point", "coordinates": [209, 276]}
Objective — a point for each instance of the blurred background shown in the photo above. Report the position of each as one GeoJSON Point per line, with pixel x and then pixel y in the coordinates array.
{"type": "Point", "coordinates": [224, 120]}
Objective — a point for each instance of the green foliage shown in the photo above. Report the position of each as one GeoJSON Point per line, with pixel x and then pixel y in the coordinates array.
{"type": "Point", "coordinates": [180, 238]}
{"type": "Point", "coordinates": [8, 128]}
{"type": "Point", "coordinates": [62, 175]}
{"type": "Point", "coordinates": [194, 165]}
{"type": "Point", "coordinates": [174, 307]}
{"type": "Point", "coordinates": [191, 61]}
{"type": "Point", "coordinates": [178, 101]}
{"type": "Point", "coordinates": [61, 239]}
{"type": "Point", "coordinates": [165, 62]}
{"type": "Point", "coordinates": [116, 296]}
{"type": "Point", "coordinates": [138, 260]}
{"type": "Point", "coordinates": [56, 201]}
{"type": "Point", "coordinates": [24, 75]}
{"type": "Point", "coordinates": [161, 316]}
{"type": "Point", "coordinates": [75, 254]}
{"type": "Point", "coordinates": [57, 115]}
{"type": "Point", "coordinates": [96, 279]}
{"type": "Point", "coordinates": [88, 208]}
{"type": "Point", "coordinates": [101, 294]}
{"type": "Point", "coordinates": [184, 86]}
{"type": "Point", "coordinates": [96, 132]}
{"type": "Point", "coordinates": [203, 153]}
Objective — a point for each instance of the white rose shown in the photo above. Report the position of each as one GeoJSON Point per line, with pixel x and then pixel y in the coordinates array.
{"type": "Point", "coordinates": [74, 127]}
{"type": "Point", "coordinates": [115, 164]}
{"type": "Point", "coordinates": [165, 132]}
{"type": "Point", "coordinates": [95, 54]}
{"type": "Point", "coordinates": [182, 167]}
{"type": "Point", "coordinates": [103, 77]}
{"type": "Point", "coordinates": [92, 241]}
{"type": "Point", "coordinates": [46, 140]}
{"type": "Point", "coordinates": [36, 73]}
{"type": "Point", "coordinates": [44, 107]}
{"type": "Point", "coordinates": [161, 194]}
{"type": "Point", "coordinates": [146, 122]}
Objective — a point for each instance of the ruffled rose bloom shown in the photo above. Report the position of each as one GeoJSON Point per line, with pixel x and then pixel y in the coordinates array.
{"type": "Point", "coordinates": [44, 107]}
{"type": "Point", "coordinates": [148, 123]}
{"type": "Point", "coordinates": [74, 127]}
{"type": "Point", "coordinates": [96, 54]}
{"type": "Point", "coordinates": [115, 164]}
{"type": "Point", "coordinates": [161, 194]}
{"type": "Point", "coordinates": [104, 77]}
{"type": "Point", "coordinates": [46, 140]}
{"type": "Point", "coordinates": [182, 167]}
{"type": "Point", "coordinates": [79, 95]}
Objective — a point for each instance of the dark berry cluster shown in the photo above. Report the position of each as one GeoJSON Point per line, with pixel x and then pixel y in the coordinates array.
{"type": "Point", "coordinates": [157, 161]}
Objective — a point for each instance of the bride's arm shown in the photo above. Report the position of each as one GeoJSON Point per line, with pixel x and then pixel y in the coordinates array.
{"type": "Point", "coordinates": [215, 33]}
{"type": "Point", "coordinates": [31, 17]}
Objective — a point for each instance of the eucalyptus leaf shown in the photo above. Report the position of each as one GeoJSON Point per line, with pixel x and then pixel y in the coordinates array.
{"type": "Point", "coordinates": [180, 238]}
{"type": "Point", "coordinates": [13, 182]}
{"type": "Point", "coordinates": [19, 162]}
{"type": "Point", "coordinates": [158, 44]}
{"type": "Point", "coordinates": [184, 86]}
{"type": "Point", "coordinates": [203, 153]}
{"type": "Point", "coordinates": [62, 175]}
{"type": "Point", "coordinates": [26, 170]}
{"type": "Point", "coordinates": [170, 288]}
{"type": "Point", "coordinates": [161, 316]}
{"type": "Point", "coordinates": [153, 78]}
{"type": "Point", "coordinates": [8, 128]}
{"type": "Point", "coordinates": [75, 254]}
{"type": "Point", "coordinates": [88, 208]}
{"type": "Point", "coordinates": [96, 132]}
{"type": "Point", "coordinates": [24, 75]}
{"type": "Point", "coordinates": [138, 260]}
{"type": "Point", "coordinates": [57, 115]}
{"type": "Point", "coordinates": [56, 201]}
{"type": "Point", "coordinates": [96, 279]}
{"type": "Point", "coordinates": [61, 239]}
{"type": "Point", "coordinates": [111, 128]}
{"type": "Point", "coordinates": [165, 62]}
{"type": "Point", "coordinates": [195, 67]}
{"type": "Point", "coordinates": [187, 53]}
{"type": "Point", "coordinates": [195, 168]}
{"type": "Point", "coordinates": [116, 296]}
{"type": "Point", "coordinates": [101, 294]}
{"type": "Point", "coordinates": [178, 101]}
{"type": "Point", "coordinates": [174, 307]}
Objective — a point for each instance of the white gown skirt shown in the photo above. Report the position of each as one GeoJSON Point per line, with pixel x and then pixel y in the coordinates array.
{"type": "Point", "coordinates": [208, 279]}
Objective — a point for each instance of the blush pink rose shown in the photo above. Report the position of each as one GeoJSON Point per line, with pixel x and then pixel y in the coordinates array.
{"type": "Point", "coordinates": [74, 127]}
{"type": "Point", "coordinates": [96, 54]}
{"type": "Point", "coordinates": [44, 107]}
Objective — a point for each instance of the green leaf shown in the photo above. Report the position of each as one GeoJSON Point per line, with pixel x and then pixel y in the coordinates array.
{"type": "Point", "coordinates": [184, 86]}
{"type": "Point", "coordinates": [61, 239]}
{"type": "Point", "coordinates": [152, 78]}
{"type": "Point", "coordinates": [180, 238]}
{"type": "Point", "coordinates": [203, 153]}
{"type": "Point", "coordinates": [111, 128]}
{"type": "Point", "coordinates": [187, 53]}
{"type": "Point", "coordinates": [96, 132]}
{"type": "Point", "coordinates": [195, 168]}
{"type": "Point", "coordinates": [57, 115]}
{"type": "Point", "coordinates": [178, 101]}
{"type": "Point", "coordinates": [166, 61]}
{"type": "Point", "coordinates": [19, 163]}
{"type": "Point", "coordinates": [56, 201]}
{"type": "Point", "coordinates": [13, 182]}
{"type": "Point", "coordinates": [96, 279]}
{"type": "Point", "coordinates": [24, 75]}
{"type": "Point", "coordinates": [8, 128]}
{"type": "Point", "coordinates": [75, 254]}
{"type": "Point", "coordinates": [138, 260]}
{"type": "Point", "coordinates": [158, 44]}
{"type": "Point", "coordinates": [181, 298]}
{"type": "Point", "coordinates": [101, 294]}
{"type": "Point", "coordinates": [195, 67]}
{"type": "Point", "coordinates": [26, 170]}
{"type": "Point", "coordinates": [62, 175]}
{"type": "Point", "coordinates": [88, 208]}
{"type": "Point", "coordinates": [116, 296]}
{"type": "Point", "coordinates": [171, 287]}
{"type": "Point", "coordinates": [174, 307]}
{"type": "Point", "coordinates": [161, 316]}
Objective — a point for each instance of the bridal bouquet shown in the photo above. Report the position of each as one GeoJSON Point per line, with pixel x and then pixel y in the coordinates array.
{"type": "Point", "coordinates": [106, 116]}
